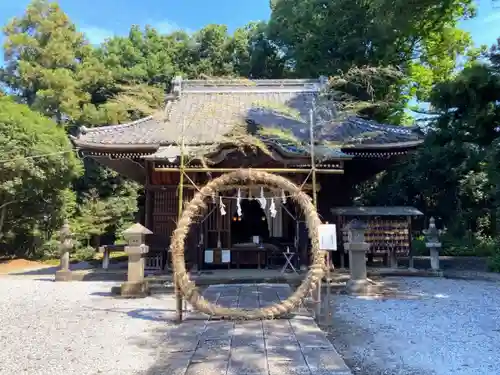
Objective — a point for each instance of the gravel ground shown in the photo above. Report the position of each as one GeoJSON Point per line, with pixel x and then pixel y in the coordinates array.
{"type": "Point", "coordinates": [47, 328]}
{"type": "Point", "coordinates": [446, 327]}
{"type": "Point", "coordinates": [76, 328]}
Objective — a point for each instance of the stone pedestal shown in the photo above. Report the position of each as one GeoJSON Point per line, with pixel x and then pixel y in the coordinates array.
{"type": "Point", "coordinates": [411, 261]}
{"type": "Point", "coordinates": [432, 243]}
{"type": "Point", "coordinates": [434, 253]}
{"type": "Point", "coordinates": [393, 259]}
{"type": "Point", "coordinates": [358, 283]}
{"type": "Point", "coordinates": [64, 273]}
{"type": "Point", "coordinates": [66, 244]}
{"type": "Point", "coordinates": [105, 257]}
{"type": "Point", "coordinates": [131, 289]}
{"type": "Point", "coordinates": [135, 286]}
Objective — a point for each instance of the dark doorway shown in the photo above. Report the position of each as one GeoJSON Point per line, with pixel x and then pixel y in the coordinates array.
{"type": "Point", "coordinates": [253, 222]}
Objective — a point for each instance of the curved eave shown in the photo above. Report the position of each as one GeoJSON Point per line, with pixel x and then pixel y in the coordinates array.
{"type": "Point", "coordinates": [277, 153]}
{"type": "Point", "coordinates": [148, 149]}
{"type": "Point", "coordinates": [383, 147]}
{"type": "Point", "coordinates": [110, 148]}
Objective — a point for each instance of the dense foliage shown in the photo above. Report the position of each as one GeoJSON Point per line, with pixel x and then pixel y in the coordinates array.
{"type": "Point", "coordinates": [455, 176]}
{"type": "Point", "coordinates": [52, 69]}
{"type": "Point", "coordinates": [36, 172]}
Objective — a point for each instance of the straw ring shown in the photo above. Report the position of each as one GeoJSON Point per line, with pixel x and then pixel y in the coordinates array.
{"type": "Point", "coordinates": [244, 177]}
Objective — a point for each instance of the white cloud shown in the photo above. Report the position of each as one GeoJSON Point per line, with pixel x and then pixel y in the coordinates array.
{"type": "Point", "coordinates": [96, 35]}
{"type": "Point", "coordinates": [495, 16]}
{"type": "Point", "coordinates": [166, 27]}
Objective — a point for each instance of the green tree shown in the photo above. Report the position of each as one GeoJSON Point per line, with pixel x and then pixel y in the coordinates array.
{"type": "Point", "coordinates": [254, 55]}
{"type": "Point", "coordinates": [36, 171]}
{"type": "Point", "coordinates": [455, 174]}
{"type": "Point", "coordinates": [141, 57]}
{"type": "Point", "coordinates": [418, 38]}
{"type": "Point", "coordinates": [51, 67]}
{"type": "Point", "coordinates": [43, 52]}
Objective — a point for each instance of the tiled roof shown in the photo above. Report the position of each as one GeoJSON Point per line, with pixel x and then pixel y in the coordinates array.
{"type": "Point", "coordinates": [207, 110]}
{"type": "Point", "coordinates": [376, 211]}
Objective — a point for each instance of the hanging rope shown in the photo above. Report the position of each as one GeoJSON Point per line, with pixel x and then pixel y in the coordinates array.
{"type": "Point", "coordinates": [283, 196]}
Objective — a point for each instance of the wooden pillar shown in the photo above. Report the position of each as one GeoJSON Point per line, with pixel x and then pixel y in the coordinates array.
{"type": "Point", "coordinates": [148, 208]}
{"type": "Point", "coordinates": [411, 264]}
{"type": "Point", "coordinates": [148, 204]}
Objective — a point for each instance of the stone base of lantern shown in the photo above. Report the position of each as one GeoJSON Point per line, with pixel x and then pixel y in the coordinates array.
{"type": "Point", "coordinates": [64, 275]}
{"type": "Point", "coordinates": [134, 289]}
{"type": "Point", "coordinates": [358, 287]}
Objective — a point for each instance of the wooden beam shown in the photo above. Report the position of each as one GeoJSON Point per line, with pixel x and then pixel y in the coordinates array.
{"type": "Point", "coordinates": [305, 187]}
{"type": "Point", "coordinates": [270, 170]}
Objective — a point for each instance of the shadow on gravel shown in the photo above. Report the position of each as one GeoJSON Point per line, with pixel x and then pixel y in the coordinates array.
{"type": "Point", "coordinates": [450, 263]}
{"type": "Point", "coordinates": [155, 315]}
{"type": "Point", "coordinates": [361, 352]}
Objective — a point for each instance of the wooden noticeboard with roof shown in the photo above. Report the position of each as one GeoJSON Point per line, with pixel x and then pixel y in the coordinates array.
{"type": "Point", "coordinates": [388, 232]}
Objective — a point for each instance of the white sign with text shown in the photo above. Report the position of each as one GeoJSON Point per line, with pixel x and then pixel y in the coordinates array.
{"type": "Point", "coordinates": [327, 237]}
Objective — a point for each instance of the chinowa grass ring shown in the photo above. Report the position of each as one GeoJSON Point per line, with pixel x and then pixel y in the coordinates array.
{"type": "Point", "coordinates": [246, 177]}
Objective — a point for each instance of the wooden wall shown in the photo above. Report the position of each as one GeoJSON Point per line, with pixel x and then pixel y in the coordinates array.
{"type": "Point", "coordinates": [162, 200]}
{"type": "Point", "coordinates": [162, 221]}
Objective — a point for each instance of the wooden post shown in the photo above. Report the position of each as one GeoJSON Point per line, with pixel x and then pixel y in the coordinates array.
{"type": "Point", "coordinates": [178, 294]}
{"type": "Point", "coordinates": [317, 292]}
{"type": "Point", "coordinates": [411, 263]}
{"type": "Point", "coordinates": [328, 312]}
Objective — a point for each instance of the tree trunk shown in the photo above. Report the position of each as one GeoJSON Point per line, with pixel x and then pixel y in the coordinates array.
{"type": "Point", "coordinates": [3, 215]}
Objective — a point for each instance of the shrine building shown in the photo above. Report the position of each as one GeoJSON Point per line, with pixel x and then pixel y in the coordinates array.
{"type": "Point", "coordinates": [223, 125]}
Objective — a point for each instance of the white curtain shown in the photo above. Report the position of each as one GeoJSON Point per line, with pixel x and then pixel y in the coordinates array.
{"type": "Point", "coordinates": [275, 224]}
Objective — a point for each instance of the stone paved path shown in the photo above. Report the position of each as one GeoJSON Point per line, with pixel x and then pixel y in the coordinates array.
{"type": "Point", "coordinates": [294, 346]}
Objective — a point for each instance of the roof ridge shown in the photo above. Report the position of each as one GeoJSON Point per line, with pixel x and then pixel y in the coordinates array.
{"type": "Point", "coordinates": [85, 130]}
{"type": "Point", "coordinates": [246, 84]}
{"type": "Point", "coordinates": [237, 81]}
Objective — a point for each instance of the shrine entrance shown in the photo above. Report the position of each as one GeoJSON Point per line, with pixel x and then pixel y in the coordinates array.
{"type": "Point", "coordinates": [251, 226]}
{"type": "Point", "coordinates": [248, 228]}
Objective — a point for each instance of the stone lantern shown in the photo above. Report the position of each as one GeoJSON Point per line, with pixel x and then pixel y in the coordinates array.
{"type": "Point", "coordinates": [135, 286]}
{"type": "Point", "coordinates": [357, 229]}
{"type": "Point", "coordinates": [433, 243]}
{"type": "Point", "coordinates": [65, 246]}
{"type": "Point", "coordinates": [357, 247]}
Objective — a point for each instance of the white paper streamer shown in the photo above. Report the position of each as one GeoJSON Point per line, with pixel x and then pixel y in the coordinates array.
{"type": "Point", "coordinates": [213, 198]}
{"type": "Point", "coordinates": [272, 209]}
{"type": "Point", "coordinates": [283, 196]}
{"type": "Point", "coordinates": [262, 199]}
{"type": "Point", "coordinates": [238, 204]}
{"type": "Point", "coordinates": [222, 207]}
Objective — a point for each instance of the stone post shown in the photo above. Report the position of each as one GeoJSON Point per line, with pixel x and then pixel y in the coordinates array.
{"type": "Point", "coordinates": [65, 246]}
{"type": "Point", "coordinates": [432, 243]}
{"type": "Point", "coordinates": [105, 257]}
{"type": "Point", "coordinates": [357, 247]}
{"type": "Point", "coordinates": [135, 286]}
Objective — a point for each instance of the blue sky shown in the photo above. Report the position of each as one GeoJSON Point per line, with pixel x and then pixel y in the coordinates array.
{"type": "Point", "coordinates": [103, 18]}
